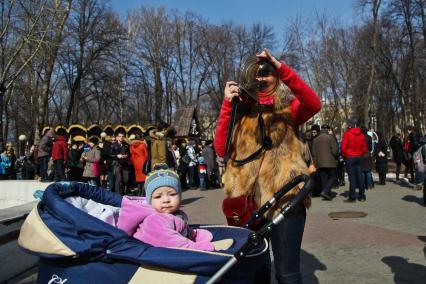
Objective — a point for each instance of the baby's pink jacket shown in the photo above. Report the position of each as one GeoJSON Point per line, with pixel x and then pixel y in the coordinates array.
{"type": "Point", "coordinates": [138, 219]}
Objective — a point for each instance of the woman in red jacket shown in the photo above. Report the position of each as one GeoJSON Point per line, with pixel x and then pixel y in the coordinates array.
{"type": "Point", "coordinates": [285, 101]}
{"type": "Point", "coordinates": [138, 157]}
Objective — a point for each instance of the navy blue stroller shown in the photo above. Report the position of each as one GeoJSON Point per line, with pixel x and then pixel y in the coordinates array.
{"type": "Point", "coordinates": [77, 247]}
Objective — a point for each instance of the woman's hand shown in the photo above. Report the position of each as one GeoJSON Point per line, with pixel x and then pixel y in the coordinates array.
{"type": "Point", "coordinates": [231, 90]}
{"type": "Point", "coordinates": [266, 55]}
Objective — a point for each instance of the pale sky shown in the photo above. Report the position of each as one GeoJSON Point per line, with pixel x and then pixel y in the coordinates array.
{"type": "Point", "coordinates": [276, 13]}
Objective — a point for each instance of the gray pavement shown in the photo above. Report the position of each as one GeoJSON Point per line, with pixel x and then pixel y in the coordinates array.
{"type": "Point", "coordinates": [386, 246]}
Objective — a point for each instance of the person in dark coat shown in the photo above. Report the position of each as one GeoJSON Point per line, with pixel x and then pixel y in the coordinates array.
{"type": "Point", "coordinates": [410, 146]}
{"type": "Point", "coordinates": [120, 153]}
{"type": "Point", "coordinates": [398, 152]}
{"type": "Point", "coordinates": [109, 144]}
{"type": "Point", "coordinates": [44, 153]}
{"type": "Point", "coordinates": [183, 164]}
{"type": "Point", "coordinates": [367, 160]}
{"type": "Point", "coordinates": [210, 161]}
{"type": "Point", "coordinates": [315, 130]}
{"type": "Point", "coordinates": [74, 164]}
{"type": "Point", "coordinates": [325, 154]}
{"type": "Point", "coordinates": [381, 155]}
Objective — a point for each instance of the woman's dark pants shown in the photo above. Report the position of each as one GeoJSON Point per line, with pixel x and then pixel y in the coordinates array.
{"type": "Point", "coordinates": [356, 177]}
{"type": "Point", "coordinates": [286, 240]}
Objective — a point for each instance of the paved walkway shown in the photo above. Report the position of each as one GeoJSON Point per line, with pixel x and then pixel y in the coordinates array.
{"type": "Point", "coordinates": [386, 246]}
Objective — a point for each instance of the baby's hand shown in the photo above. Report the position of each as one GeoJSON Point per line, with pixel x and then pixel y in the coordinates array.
{"type": "Point", "coordinates": [223, 244]}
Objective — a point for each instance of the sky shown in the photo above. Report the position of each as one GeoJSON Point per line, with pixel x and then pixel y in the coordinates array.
{"type": "Point", "coordinates": [276, 13]}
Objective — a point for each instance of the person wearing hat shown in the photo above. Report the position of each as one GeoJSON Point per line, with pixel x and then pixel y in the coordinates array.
{"type": "Point", "coordinates": [353, 149]}
{"type": "Point", "coordinates": [91, 157]}
{"type": "Point", "coordinates": [158, 220]}
{"type": "Point", "coordinates": [325, 154]}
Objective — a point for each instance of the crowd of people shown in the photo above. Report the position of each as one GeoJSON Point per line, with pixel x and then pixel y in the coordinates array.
{"type": "Point", "coordinates": [263, 152]}
{"type": "Point", "coordinates": [116, 162]}
{"type": "Point", "coordinates": [359, 152]}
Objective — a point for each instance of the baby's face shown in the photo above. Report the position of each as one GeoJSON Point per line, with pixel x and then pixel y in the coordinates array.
{"type": "Point", "coordinates": [165, 200]}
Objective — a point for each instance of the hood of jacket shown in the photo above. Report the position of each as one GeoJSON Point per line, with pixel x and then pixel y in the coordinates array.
{"type": "Point", "coordinates": [136, 143]}
{"type": "Point", "coordinates": [355, 131]}
{"type": "Point", "coordinates": [60, 138]}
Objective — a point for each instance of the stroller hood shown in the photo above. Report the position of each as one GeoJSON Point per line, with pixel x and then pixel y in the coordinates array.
{"type": "Point", "coordinates": [56, 228]}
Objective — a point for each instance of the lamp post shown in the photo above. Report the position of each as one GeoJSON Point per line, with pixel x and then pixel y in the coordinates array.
{"type": "Point", "coordinates": [22, 139]}
{"type": "Point", "coordinates": [21, 154]}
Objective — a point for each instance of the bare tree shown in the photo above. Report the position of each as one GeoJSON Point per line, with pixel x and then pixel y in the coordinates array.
{"type": "Point", "coordinates": [60, 11]}
{"type": "Point", "coordinates": [19, 28]}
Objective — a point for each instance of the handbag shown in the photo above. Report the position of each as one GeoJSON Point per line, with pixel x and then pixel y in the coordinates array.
{"type": "Point", "coordinates": [97, 169]}
{"type": "Point", "coordinates": [238, 210]}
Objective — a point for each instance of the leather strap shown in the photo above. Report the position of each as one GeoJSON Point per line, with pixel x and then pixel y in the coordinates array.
{"type": "Point", "coordinates": [266, 141]}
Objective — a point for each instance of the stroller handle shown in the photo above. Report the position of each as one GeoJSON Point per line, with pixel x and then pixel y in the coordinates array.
{"type": "Point", "coordinates": [255, 238]}
{"type": "Point", "coordinates": [258, 214]}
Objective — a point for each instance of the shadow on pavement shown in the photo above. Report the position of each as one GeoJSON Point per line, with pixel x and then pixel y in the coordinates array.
{"type": "Point", "coordinates": [189, 200]}
{"type": "Point", "coordinates": [308, 265]}
{"type": "Point", "coordinates": [405, 271]}
{"type": "Point", "coordinates": [412, 198]}
{"type": "Point", "coordinates": [404, 183]}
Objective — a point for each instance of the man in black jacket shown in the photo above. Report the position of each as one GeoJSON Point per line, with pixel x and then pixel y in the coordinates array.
{"type": "Point", "coordinates": [397, 152]}
{"type": "Point", "coordinates": [120, 154]}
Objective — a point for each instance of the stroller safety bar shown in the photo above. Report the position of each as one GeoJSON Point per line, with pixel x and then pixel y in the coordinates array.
{"type": "Point", "coordinates": [258, 237]}
{"type": "Point", "coordinates": [258, 214]}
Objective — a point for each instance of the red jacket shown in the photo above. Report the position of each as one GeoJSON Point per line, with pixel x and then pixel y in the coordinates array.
{"type": "Point", "coordinates": [353, 143]}
{"type": "Point", "coordinates": [60, 149]}
{"type": "Point", "coordinates": [305, 104]}
{"type": "Point", "coordinates": [138, 157]}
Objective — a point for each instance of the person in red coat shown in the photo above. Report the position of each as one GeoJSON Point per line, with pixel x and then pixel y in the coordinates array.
{"type": "Point", "coordinates": [138, 157]}
{"type": "Point", "coordinates": [60, 157]}
{"type": "Point", "coordinates": [353, 148]}
{"type": "Point", "coordinates": [285, 101]}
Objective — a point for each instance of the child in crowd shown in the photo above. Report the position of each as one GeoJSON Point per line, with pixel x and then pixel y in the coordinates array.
{"type": "Point", "coordinates": [202, 173]}
{"type": "Point", "coordinates": [158, 220]}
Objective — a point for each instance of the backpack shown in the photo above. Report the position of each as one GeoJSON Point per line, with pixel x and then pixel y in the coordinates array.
{"type": "Point", "coordinates": [186, 159]}
{"type": "Point", "coordinates": [418, 159]}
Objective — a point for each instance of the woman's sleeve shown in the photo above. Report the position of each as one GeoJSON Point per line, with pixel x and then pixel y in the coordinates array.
{"type": "Point", "coordinates": [344, 145]}
{"type": "Point", "coordinates": [222, 128]}
{"type": "Point", "coordinates": [306, 104]}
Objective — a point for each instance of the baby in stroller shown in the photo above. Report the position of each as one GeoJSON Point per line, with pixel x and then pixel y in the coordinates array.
{"type": "Point", "coordinates": [158, 220]}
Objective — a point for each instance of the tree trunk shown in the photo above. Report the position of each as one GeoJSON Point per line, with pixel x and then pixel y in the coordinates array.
{"type": "Point", "coordinates": [2, 93]}
{"type": "Point", "coordinates": [158, 96]}
{"type": "Point", "coordinates": [368, 107]}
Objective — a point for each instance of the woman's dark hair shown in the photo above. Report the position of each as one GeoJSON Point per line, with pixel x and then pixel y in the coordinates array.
{"type": "Point", "coordinates": [265, 69]}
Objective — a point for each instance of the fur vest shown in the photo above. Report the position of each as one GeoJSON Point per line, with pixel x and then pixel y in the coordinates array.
{"type": "Point", "coordinates": [279, 165]}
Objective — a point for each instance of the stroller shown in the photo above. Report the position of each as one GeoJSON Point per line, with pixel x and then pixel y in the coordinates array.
{"type": "Point", "coordinates": [72, 231]}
